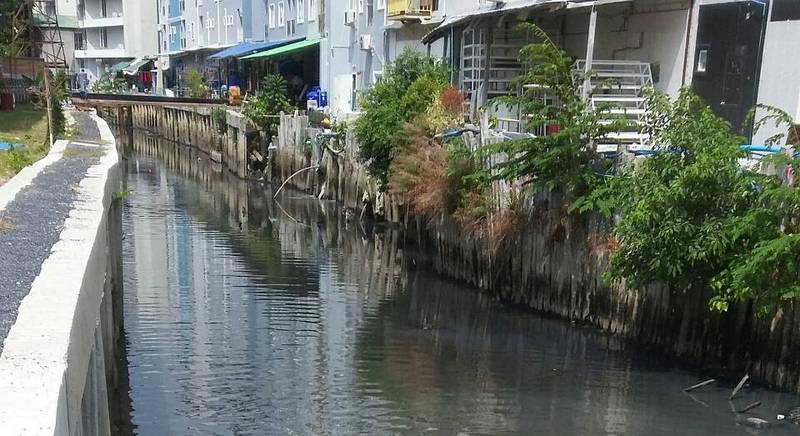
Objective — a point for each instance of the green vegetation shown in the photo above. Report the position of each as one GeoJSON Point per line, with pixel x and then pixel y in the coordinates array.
{"type": "Point", "coordinates": [265, 108]}
{"type": "Point", "coordinates": [566, 160]}
{"type": "Point", "coordinates": [219, 116]}
{"type": "Point", "coordinates": [692, 218]}
{"type": "Point", "coordinates": [122, 194]}
{"type": "Point", "coordinates": [109, 85]}
{"type": "Point", "coordinates": [196, 83]}
{"type": "Point", "coordinates": [7, 8]}
{"type": "Point", "coordinates": [27, 126]}
{"type": "Point", "coordinates": [410, 85]}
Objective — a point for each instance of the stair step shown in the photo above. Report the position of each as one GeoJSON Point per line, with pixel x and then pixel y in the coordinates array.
{"type": "Point", "coordinates": [624, 111]}
{"type": "Point", "coordinates": [613, 98]}
{"type": "Point", "coordinates": [627, 136]}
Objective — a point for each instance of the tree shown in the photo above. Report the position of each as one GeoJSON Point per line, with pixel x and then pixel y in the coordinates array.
{"type": "Point", "coordinates": [408, 87]}
{"type": "Point", "coordinates": [196, 84]}
{"type": "Point", "coordinates": [263, 109]}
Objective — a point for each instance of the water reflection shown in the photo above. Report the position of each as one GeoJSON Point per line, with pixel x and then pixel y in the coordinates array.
{"type": "Point", "coordinates": [244, 318]}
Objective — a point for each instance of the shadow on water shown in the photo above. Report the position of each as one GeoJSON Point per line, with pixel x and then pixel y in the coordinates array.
{"type": "Point", "coordinates": [249, 316]}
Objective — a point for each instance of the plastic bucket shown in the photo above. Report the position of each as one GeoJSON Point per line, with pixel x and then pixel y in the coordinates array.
{"type": "Point", "coordinates": [7, 101]}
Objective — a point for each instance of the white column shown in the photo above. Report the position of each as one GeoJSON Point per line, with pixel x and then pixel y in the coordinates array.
{"type": "Point", "coordinates": [587, 84]}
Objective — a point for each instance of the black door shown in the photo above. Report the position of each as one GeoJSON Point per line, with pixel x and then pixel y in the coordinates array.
{"type": "Point", "coordinates": [728, 58]}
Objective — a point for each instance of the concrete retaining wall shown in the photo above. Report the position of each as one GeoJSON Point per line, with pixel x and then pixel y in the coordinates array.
{"type": "Point", "coordinates": [192, 126]}
{"type": "Point", "coordinates": [58, 368]}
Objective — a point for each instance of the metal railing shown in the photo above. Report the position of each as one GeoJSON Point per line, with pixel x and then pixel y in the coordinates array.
{"type": "Point", "coordinates": [401, 9]}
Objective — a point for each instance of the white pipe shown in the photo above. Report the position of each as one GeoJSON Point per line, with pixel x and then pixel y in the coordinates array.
{"type": "Point", "coordinates": [590, 51]}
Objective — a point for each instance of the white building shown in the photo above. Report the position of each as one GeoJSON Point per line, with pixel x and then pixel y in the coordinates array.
{"type": "Point", "coordinates": [111, 33]}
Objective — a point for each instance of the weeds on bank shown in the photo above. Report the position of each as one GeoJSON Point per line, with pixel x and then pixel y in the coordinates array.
{"type": "Point", "coordinates": [5, 225]}
{"type": "Point", "coordinates": [122, 194]}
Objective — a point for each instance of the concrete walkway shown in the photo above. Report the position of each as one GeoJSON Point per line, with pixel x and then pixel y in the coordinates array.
{"type": "Point", "coordinates": [30, 223]}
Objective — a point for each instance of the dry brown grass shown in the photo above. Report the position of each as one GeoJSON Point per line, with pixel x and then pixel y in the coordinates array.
{"type": "Point", "coordinates": [5, 225]}
{"type": "Point", "coordinates": [420, 173]}
{"type": "Point", "coordinates": [602, 244]}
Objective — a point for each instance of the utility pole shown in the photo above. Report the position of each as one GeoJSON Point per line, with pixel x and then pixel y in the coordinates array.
{"type": "Point", "coordinates": [37, 34]}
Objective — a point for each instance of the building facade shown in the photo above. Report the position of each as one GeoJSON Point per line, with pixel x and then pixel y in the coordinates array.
{"type": "Point", "coordinates": [109, 32]}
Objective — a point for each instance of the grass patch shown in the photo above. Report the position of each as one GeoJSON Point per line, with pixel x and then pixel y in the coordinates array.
{"type": "Point", "coordinates": [26, 126]}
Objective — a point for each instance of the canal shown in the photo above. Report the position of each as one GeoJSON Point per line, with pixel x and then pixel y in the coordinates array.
{"type": "Point", "coordinates": [245, 316]}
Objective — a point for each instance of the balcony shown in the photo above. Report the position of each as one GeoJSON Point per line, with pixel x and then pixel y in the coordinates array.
{"type": "Point", "coordinates": [409, 10]}
{"type": "Point", "coordinates": [90, 22]}
{"type": "Point", "coordinates": [101, 53]}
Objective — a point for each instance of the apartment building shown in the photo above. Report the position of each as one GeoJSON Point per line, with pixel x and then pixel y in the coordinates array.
{"type": "Point", "coordinates": [108, 33]}
{"type": "Point", "coordinates": [189, 31]}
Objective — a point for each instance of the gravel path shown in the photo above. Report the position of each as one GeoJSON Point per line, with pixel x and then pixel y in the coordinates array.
{"type": "Point", "coordinates": [31, 224]}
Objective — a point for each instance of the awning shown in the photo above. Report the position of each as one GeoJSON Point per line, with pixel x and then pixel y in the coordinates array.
{"type": "Point", "coordinates": [289, 48]}
{"type": "Point", "coordinates": [247, 48]}
{"type": "Point", "coordinates": [135, 66]}
{"type": "Point", "coordinates": [119, 66]}
{"type": "Point", "coordinates": [510, 7]}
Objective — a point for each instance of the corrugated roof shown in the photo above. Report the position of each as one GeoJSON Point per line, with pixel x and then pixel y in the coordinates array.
{"type": "Point", "coordinates": [295, 46]}
{"type": "Point", "coordinates": [247, 48]}
{"type": "Point", "coordinates": [510, 6]}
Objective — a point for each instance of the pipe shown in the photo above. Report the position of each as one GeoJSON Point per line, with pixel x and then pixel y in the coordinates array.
{"type": "Point", "coordinates": [686, 48]}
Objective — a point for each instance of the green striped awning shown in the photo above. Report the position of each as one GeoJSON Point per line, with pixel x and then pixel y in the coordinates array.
{"type": "Point", "coordinates": [290, 48]}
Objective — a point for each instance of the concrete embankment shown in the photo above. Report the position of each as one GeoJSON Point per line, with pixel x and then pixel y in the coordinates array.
{"type": "Point", "coordinates": [62, 293]}
{"type": "Point", "coordinates": [554, 263]}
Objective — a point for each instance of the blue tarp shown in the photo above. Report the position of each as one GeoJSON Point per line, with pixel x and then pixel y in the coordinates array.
{"type": "Point", "coordinates": [248, 48]}
{"type": "Point", "coordinates": [8, 146]}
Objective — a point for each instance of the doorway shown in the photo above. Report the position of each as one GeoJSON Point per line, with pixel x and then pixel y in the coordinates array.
{"type": "Point", "coordinates": [728, 59]}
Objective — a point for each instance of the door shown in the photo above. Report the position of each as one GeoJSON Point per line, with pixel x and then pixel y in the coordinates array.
{"type": "Point", "coordinates": [728, 59]}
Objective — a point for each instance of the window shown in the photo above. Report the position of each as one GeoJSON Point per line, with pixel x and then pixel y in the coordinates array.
{"type": "Point", "coordinates": [381, 4]}
{"type": "Point", "coordinates": [272, 15]}
{"type": "Point", "coordinates": [312, 10]}
{"type": "Point", "coordinates": [183, 5]}
{"type": "Point", "coordinates": [172, 32]}
{"type": "Point", "coordinates": [79, 42]}
{"type": "Point", "coordinates": [290, 28]}
{"type": "Point", "coordinates": [785, 10]}
{"type": "Point", "coordinates": [210, 24]}
{"type": "Point", "coordinates": [352, 4]}
{"type": "Point", "coordinates": [103, 8]}
{"type": "Point", "coordinates": [300, 11]}
{"type": "Point", "coordinates": [281, 15]}
{"type": "Point", "coordinates": [229, 20]}
{"type": "Point", "coordinates": [103, 38]}
{"type": "Point", "coordinates": [360, 6]}
{"type": "Point", "coordinates": [191, 30]}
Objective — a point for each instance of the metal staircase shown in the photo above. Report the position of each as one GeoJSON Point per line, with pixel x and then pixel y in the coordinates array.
{"type": "Point", "coordinates": [620, 84]}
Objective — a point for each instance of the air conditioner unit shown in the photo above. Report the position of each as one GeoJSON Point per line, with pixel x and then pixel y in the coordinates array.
{"type": "Point", "coordinates": [365, 42]}
{"type": "Point", "coordinates": [349, 18]}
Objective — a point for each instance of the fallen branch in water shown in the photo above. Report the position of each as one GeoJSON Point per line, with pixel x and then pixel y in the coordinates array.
{"type": "Point", "coordinates": [739, 386]}
{"type": "Point", "coordinates": [749, 407]}
{"type": "Point", "coordinates": [699, 385]}
{"type": "Point", "coordinates": [290, 178]}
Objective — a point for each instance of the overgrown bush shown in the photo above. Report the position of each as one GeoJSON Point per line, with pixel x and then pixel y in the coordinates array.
{"type": "Point", "coordinates": [196, 83]}
{"type": "Point", "coordinates": [219, 116]}
{"type": "Point", "coordinates": [109, 85]}
{"type": "Point", "coordinates": [264, 108]}
{"type": "Point", "coordinates": [692, 218]}
{"type": "Point", "coordinates": [409, 86]}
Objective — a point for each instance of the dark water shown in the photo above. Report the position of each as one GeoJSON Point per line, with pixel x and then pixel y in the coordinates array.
{"type": "Point", "coordinates": [246, 319]}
